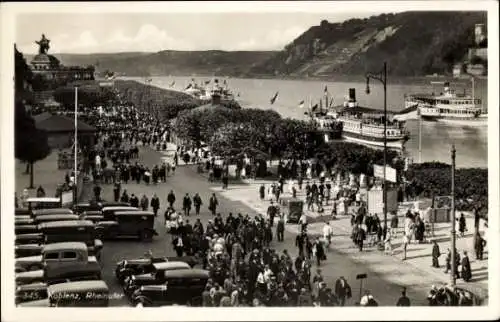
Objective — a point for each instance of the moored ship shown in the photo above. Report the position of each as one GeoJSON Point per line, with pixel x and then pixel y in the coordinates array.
{"type": "Point", "coordinates": [448, 107]}
{"type": "Point", "coordinates": [366, 125]}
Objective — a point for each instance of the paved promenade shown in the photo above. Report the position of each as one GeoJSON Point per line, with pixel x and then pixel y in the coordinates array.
{"type": "Point", "coordinates": [416, 272]}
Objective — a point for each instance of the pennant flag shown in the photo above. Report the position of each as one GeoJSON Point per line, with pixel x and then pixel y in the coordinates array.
{"type": "Point", "coordinates": [326, 90]}
{"type": "Point", "coordinates": [188, 87]}
{"type": "Point", "coordinates": [314, 108]}
{"type": "Point", "coordinates": [207, 82]}
{"type": "Point", "coordinates": [301, 104]}
{"type": "Point", "coordinates": [331, 102]}
{"type": "Point", "coordinates": [273, 99]}
{"type": "Point", "coordinates": [172, 84]}
{"type": "Point", "coordinates": [149, 80]}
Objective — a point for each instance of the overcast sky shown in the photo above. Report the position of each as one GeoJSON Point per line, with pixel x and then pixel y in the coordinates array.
{"type": "Point", "coordinates": [100, 33]}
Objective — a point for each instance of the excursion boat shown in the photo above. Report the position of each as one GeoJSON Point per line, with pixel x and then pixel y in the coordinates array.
{"type": "Point", "coordinates": [448, 107]}
{"type": "Point", "coordinates": [366, 125]}
{"type": "Point", "coordinates": [205, 95]}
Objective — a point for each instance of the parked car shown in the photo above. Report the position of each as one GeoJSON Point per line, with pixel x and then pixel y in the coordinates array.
{"type": "Point", "coordinates": [22, 212]}
{"type": "Point", "coordinates": [54, 274]}
{"type": "Point", "coordinates": [51, 211]}
{"type": "Point", "coordinates": [24, 220]}
{"type": "Point", "coordinates": [129, 267]}
{"type": "Point", "coordinates": [109, 212]}
{"type": "Point", "coordinates": [182, 287]}
{"type": "Point", "coordinates": [157, 276]}
{"type": "Point", "coordinates": [26, 250]}
{"type": "Point", "coordinates": [59, 254]}
{"type": "Point", "coordinates": [40, 219]}
{"type": "Point", "coordinates": [137, 223]}
{"type": "Point", "coordinates": [74, 230]}
{"type": "Point", "coordinates": [33, 238]}
{"type": "Point", "coordinates": [74, 294]}
{"type": "Point", "coordinates": [31, 292]}
{"type": "Point", "coordinates": [43, 203]}
{"type": "Point", "coordinates": [25, 229]}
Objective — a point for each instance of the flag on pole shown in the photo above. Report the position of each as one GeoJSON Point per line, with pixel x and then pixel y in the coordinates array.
{"type": "Point", "coordinates": [326, 90]}
{"type": "Point", "coordinates": [188, 87]}
{"type": "Point", "coordinates": [301, 104]}
{"type": "Point", "coordinates": [314, 108]}
{"type": "Point", "coordinates": [273, 99]}
{"type": "Point", "coordinates": [172, 84]}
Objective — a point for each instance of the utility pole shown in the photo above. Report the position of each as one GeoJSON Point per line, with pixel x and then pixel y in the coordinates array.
{"type": "Point", "coordinates": [453, 232]}
{"type": "Point", "coordinates": [382, 77]}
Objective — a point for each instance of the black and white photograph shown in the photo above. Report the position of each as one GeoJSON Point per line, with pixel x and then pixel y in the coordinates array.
{"type": "Point", "coordinates": [242, 156]}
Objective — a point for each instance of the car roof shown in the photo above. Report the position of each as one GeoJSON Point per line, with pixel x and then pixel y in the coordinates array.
{"type": "Point", "coordinates": [51, 211]}
{"type": "Point", "coordinates": [170, 265]}
{"type": "Point", "coordinates": [192, 272]}
{"type": "Point", "coordinates": [134, 213]}
{"type": "Point", "coordinates": [78, 287]}
{"type": "Point", "coordinates": [66, 223]}
{"type": "Point", "coordinates": [31, 286]}
{"type": "Point", "coordinates": [123, 208]}
{"type": "Point", "coordinates": [64, 246]}
{"type": "Point", "coordinates": [62, 217]}
{"type": "Point", "coordinates": [44, 199]}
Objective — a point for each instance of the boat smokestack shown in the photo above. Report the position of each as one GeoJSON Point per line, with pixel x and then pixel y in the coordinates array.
{"type": "Point", "coordinates": [352, 95]}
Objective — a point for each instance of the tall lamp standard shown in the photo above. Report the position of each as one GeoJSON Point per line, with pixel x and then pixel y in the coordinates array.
{"type": "Point", "coordinates": [453, 224]}
{"type": "Point", "coordinates": [382, 77]}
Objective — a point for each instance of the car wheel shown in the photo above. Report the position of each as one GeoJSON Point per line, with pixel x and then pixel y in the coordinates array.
{"type": "Point", "coordinates": [146, 236]}
{"type": "Point", "coordinates": [143, 300]}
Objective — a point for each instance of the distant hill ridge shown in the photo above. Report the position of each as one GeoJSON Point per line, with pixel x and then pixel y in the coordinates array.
{"type": "Point", "coordinates": [412, 43]}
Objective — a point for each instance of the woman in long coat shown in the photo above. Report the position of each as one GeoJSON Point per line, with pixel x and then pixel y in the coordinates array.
{"type": "Point", "coordinates": [466, 270]}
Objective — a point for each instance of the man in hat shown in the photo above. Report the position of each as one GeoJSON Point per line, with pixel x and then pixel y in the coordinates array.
{"type": "Point", "coordinates": [271, 212]}
{"type": "Point", "coordinates": [342, 290]}
{"type": "Point", "coordinates": [155, 204]}
{"type": "Point", "coordinates": [466, 269]}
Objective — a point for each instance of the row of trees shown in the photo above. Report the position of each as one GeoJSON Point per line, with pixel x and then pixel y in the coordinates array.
{"type": "Point", "coordinates": [31, 144]}
{"type": "Point", "coordinates": [251, 131]}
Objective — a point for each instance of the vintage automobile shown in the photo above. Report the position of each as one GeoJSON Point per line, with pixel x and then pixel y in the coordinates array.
{"type": "Point", "coordinates": [67, 254]}
{"type": "Point", "coordinates": [53, 274]}
{"type": "Point", "coordinates": [40, 219]}
{"type": "Point", "coordinates": [94, 216]}
{"type": "Point", "coordinates": [43, 203]}
{"type": "Point", "coordinates": [26, 250]}
{"type": "Point", "coordinates": [182, 287]}
{"type": "Point", "coordinates": [104, 204]}
{"type": "Point", "coordinates": [139, 224]}
{"type": "Point", "coordinates": [74, 294]}
{"type": "Point", "coordinates": [24, 220]}
{"type": "Point", "coordinates": [157, 276]}
{"type": "Point", "coordinates": [51, 211]}
{"type": "Point", "coordinates": [128, 267]}
{"type": "Point", "coordinates": [25, 229]}
{"type": "Point", "coordinates": [31, 292]}
{"type": "Point", "coordinates": [22, 212]}
{"type": "Point", "coordinates": [74, 230]}
{"type": "Point", "coordinates": [33, 238]}
{"type": "Point", "coordinates": [109, 212]}
{"type": "Point", "coordinates": [80, 208]}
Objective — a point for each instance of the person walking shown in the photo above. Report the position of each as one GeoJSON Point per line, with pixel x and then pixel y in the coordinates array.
{"type": "Point", "coordinates": [479, 247]}
{"type": "Point", "coordinates": [466, 269]}
{"type": "Point", "coordinates": [403, 300]}
{"type": "Point", "coordinates": [116, 191]}
{"type": "Point", "coordinates": [342, 290]}
{"type": "Point", "coordinates": [271, 212]}
{"type": "Point", "coordinates": [178, 245]}
{"type": "Point", "coordinates": [435, 254]}
{"type": "Point", "coordinates": [144, 203]}
{"type": "Point", "coordinates": [280, 229]}
{"type": "Point", "coordinates": [186, 205]}
{"type": "Point", "coordinates": [360, 237]}
{"type": "Point", "coordinates": [134, 201]}
{"type": "Point", "coordinates": [212, 204]}
{"type": "Point", "coordinates": [327, 234]}
{"type": "Point", "coordinates": [197, 203]}
{"type": "Point", "coordinates": [171, 198]}
{"type": "Point", "coordinates": [155, 204]}
{"type": "Point", "coordinates": [462, 227]}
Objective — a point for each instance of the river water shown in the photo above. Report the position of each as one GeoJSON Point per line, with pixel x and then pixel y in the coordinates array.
{"type": "Point", "coordinates": [471, 143]}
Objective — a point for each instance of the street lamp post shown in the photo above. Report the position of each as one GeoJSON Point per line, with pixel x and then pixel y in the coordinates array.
{"type": "Point", "coordinates": [75, 176]}
{"type": "Point", "coordinates": [382, 77]}
{"type": "Point", "coordinates": [453, 232]}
